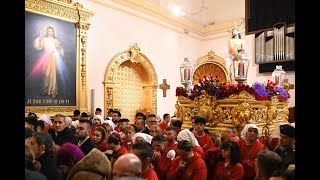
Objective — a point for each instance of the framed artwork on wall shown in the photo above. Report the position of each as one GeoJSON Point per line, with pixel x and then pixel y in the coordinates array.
{"type": "Point", "coordinates": [55, 56]}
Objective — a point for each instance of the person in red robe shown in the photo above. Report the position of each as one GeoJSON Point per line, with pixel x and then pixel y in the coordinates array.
{"type": "Point", "coordinates": [188, 165]}
{"type": "Point", "coordinates": [164, 123]}
{"type": "Point", "coordinates": [100, 138]}
{"type": "Point", "coordinates": [96, 121]}
{"type": "Point", "coordinates": [186, 134]}
{"type": "Point", "coordinates": [171, 136]}
{"type": "Point", "coordinates": [162, 159]}
{"type": "Point", "coordinates": [211, 152]}
{"type": "Point", "coordinates": [129, 131]}
{"type": "Point", "coordinates": [249, 148]}
{"type": "Point", "coordinates": [145, 153]}
{"type": "Point", "coordinates": [115, 148]}
{"type": "Point", "coordinates": [229, 166]}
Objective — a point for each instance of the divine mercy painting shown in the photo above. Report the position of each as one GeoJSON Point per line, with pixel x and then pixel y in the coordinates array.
{"type": "Point", "coordinates": [50, 61]}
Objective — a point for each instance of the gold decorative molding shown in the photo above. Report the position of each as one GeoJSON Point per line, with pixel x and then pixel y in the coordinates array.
{"type": "Point", "coordinates": [242, 95]}
{"type": "Point", "coordinates": [224, 113]}
{"type": "Point", "coordinates": [137, 60]}
{"type": "Point", "coordinates": [51, 111]}
{"type": "Point", "coordinates": [75, 13]}
{"type": "Point", "coordinates": [59, 9]}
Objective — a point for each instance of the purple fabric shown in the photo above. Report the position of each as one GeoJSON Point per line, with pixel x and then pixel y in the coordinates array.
{"type": "Point", "coordinates": [68, 154]}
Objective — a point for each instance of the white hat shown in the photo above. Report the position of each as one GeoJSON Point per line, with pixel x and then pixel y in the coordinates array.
{"type": "Point", "coordinates": [111, 124]}
{"type": "Point", "coordinates": [186, 134]}
{"type": "Point", "coordinates": [145, 136]}
{"type": "Point", "coordinates": [46, 119]}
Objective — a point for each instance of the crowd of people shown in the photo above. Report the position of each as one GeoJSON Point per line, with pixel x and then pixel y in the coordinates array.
{"type": "Point", "coordinates": [149, 147]}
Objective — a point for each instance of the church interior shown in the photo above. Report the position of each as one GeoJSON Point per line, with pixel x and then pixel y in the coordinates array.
{"type": "Point", "coordinates": [163, 57]}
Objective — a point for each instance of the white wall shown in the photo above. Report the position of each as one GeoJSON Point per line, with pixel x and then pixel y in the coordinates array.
{"type": "Point", "coordinates": [112, 32]}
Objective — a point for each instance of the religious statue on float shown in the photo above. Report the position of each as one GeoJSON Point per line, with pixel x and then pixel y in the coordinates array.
{"type": "Point", "coordinates": [237, 63]}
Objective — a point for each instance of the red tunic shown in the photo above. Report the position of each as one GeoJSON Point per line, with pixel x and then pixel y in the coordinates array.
{"type": "Point", "coordinates": [120, 152]}
{"type": "Point", "coordinates": [149, 174]}
{"type": "Point", "coordinates": [47, 128]}
{"type": "Point", "coordinates": [163, 125]}
{"type": "Point", "coordinates": [173, 146]}
{"type": "Point", "coordinates": [195, 169]}
{"type": "Point", "coordinates": [274, 143]}
{"type": "Point", "coordinates": [162, 165]}
{"type": "Point", "coordinates": [127, 145]}
{"type": "Point", "coordinates": [249, 155]}
{"type": "Point", "coordinates": [102, 146]}
{"type": "Point", "coordinates": [231, 172]}
{"type": "Point", "coordinates": [205, 141]}
{"type": "Point", "coordinates": [198, 149]}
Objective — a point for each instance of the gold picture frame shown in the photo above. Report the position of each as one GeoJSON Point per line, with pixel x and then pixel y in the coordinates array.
{"type": "Point", "coordinates": [56, 78]}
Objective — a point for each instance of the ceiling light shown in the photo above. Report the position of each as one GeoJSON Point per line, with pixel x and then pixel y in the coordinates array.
{"type": "Point", "coordinates": [176, 10]}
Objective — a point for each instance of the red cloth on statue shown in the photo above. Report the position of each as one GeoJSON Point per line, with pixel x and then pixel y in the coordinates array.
{"type": "Point", "coordinates": [149, 174]}
{"type": "Point", "coordinates": [162, 165]}
{"type": "Point", "coordinates": [249, 155]}
{"type": "Point", "coordinates": [231, 172]}
{"type": "Point", "coordinates": [195, 169]}
{"type": "Point", "coordinates": [163, 125]}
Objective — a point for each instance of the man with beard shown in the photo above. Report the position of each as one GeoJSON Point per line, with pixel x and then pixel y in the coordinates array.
{"type": "Point", "coordinates": [85, 142]}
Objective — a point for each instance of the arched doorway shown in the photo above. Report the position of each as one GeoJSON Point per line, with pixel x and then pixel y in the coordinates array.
{"type": "Point", "coordinates": [130, 84]}
{"type": "Point", "coordinates": [210, 64]}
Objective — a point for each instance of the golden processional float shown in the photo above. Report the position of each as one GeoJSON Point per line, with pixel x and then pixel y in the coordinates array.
{"type": "Point", "coordinates": [234, 105]}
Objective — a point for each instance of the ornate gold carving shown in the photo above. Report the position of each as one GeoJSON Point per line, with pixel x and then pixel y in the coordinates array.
{"type": "Point", "coordinates": [287, 85]}
{"type": "Point", "coordinates": [65, 10]}
{"type": "Point", "coordinates": [242, 95]}
{"type": "Point", "coordinates": [207, 108]}
{"type": "Point", "coordinates": [109, 101]}
{"type": "Point", "coordinates": [224, 113]}
{"type": "Point", "coordinates": [50, 110]}
{"type": "Point", "coordinates": [241, 114]}
{"type": "Point", "coordinates": [128, 92]}
{"type": "Point", "coordinates": [134, 53]}
{"type": "Point", "coordinates": [210, 64]}
{"type": "Point", "coordinates": [140, 74]}
{"type": "Point", "coordinates": [83, 62]}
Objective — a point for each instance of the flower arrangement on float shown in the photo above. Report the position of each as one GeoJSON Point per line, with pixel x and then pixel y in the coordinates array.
{"type": "Point", "coordinates": [213, 86]}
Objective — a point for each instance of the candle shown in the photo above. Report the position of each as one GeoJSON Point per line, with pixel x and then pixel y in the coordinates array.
{"type": "Point", "coordinates": [241, 69]}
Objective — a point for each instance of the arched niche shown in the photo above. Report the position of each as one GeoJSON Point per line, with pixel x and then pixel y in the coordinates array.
{"type": "Point", "coordinates": [137, 75]}
{"type": "Point", "coordinates": [210, 64]}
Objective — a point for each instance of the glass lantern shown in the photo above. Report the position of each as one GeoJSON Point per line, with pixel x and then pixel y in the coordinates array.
{"type": "Point", "coordinates": [240, 69]}
{"type": "Point", "coordinates": [278, 76]}
{"type": "Point", "coordinates": [186, 72]}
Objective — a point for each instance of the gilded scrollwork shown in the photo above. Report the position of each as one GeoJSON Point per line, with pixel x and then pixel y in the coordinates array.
{"type": "Point", "coordinates": [272, 110]}
{"type": "Point", "coordinates": [50, 110]}
{"type": "Point", "coordinates": [134, 53]}
{"type": "Point", "coordinates": [259, 115]}
{"type": "Point", "coordinates": [241, 114]}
